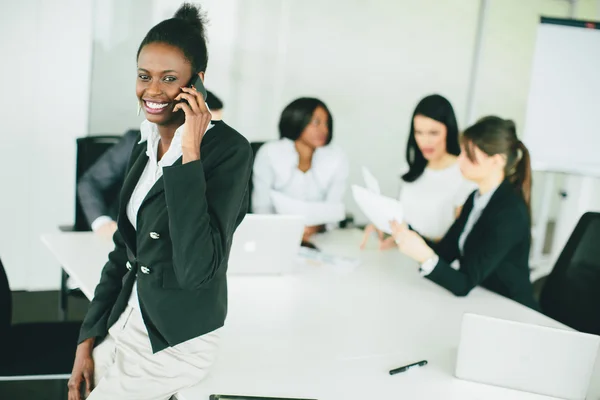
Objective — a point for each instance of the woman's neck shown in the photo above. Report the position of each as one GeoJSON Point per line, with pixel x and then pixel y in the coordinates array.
{"type": "Point", "coordinates": [166, 132]}
{"type": "Point", "coordinates": [490, 182]}
{"type": "Point", "coordinates": [443, 162]}
{"type": "Point", "coordinates": [305, 154]}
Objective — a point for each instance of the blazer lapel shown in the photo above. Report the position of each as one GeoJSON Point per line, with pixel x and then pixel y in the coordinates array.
{"type": "Point", "coordinates": [140, 159]}
{"type": "Point", "coordinates": [497, 197]}
{"type": "Point", "coordinates": [158, 187]}
{"type": "Point", "coordinates": [490, 208]}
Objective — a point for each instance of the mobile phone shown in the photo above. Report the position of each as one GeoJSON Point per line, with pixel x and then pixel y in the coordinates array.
{"type": "Point", "coordinates": [197, 83]}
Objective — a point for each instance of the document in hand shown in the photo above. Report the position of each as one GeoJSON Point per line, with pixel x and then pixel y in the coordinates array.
{"type": "Point", "coordinates": [370, 181]}
{"type": "Point", "coordinates": [315, 213]}
{"type": "Point", "coordinates": [379, 209]}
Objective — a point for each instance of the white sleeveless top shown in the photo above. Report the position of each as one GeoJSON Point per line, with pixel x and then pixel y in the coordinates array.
{"type": "Point", "coordinates": [430, 202]}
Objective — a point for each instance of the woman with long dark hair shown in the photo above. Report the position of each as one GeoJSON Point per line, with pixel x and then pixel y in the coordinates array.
{"type": "Point", "coordinates": [492, 236]}
{"type": "Point", "coordinates": [153, 325]}
{"type": "Point", "coordinates": [433, 189]}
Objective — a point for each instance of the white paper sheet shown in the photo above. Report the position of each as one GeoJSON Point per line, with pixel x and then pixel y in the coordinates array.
{"type": "Point", "coordinates": [315, 257]}
{"type": "Point", "coordinates": [380, 210]}
{"type": "Point", "coordinates": [315, 213]}
{"type": "Point", "coordinates": [371, 182]}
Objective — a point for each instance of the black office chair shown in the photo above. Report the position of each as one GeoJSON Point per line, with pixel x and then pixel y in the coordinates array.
{"type": "Point", "coordinates": [34, 351]}
{"type": "Point", "coordinates": [89, 149]}
{"type": "Point", "coordinates": [571, 293]}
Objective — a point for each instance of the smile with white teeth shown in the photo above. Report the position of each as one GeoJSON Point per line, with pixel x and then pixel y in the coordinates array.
{"type": "Point", "coordinates": [156, 106]}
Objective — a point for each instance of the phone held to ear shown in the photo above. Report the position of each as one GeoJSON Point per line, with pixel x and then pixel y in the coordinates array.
{"type": "Point", "coordinates": [199, 85]}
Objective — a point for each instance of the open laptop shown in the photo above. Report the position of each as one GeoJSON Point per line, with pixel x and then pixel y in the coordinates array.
{"type": "Point", "coordinates": [266, 244]}
{"type": "Point", "coordinates": [531, 358]}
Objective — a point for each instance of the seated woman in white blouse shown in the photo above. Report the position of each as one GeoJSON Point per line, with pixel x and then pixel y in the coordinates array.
{"type": "Point", "coordinates": [302, 164]}
{"type": "Point", "coordinates": [433, 190]}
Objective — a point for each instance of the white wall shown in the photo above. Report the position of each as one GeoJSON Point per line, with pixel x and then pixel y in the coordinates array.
{"type": "Point", "coordinates": [369, 61]}
{"type": "Point", "coordinates": [46, 74]}
{"type": "Point", "coordinates": [119, 27]}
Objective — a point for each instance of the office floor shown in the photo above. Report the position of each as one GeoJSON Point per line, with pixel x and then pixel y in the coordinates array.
{"type": "Point", "coordinates": [39, 307]}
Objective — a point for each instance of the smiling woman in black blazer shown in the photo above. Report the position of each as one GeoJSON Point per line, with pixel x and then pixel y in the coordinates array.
{"type": "Point", "coordinates": [491, 237]}
{"type": "Point", "coordinates": [152, 327]}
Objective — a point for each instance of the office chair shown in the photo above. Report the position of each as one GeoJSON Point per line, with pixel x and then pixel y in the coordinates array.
{"type": "Point", "coordinates": [571, 293]}
{"type": "Point", "coordinates": [34, 351]}
{"type": "Point", "coordinates": [89, 149]}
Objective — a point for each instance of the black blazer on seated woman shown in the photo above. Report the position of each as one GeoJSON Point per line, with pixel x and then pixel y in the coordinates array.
{"type": "Point", "coordinates": [179, 251]}
{"type": "Point", "coordinates": [495, 253]}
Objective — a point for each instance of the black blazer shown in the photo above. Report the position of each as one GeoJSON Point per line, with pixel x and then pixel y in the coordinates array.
{"type": "Point", "coordinates": [496, 251]}
{"type": "Point", "coordinates": [179, 249]}
{"type": "Point", "coordinates": [99, 187]}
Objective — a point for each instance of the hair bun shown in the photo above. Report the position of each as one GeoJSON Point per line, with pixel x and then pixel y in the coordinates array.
{"type": "Point", "coordinates": [193, 15]}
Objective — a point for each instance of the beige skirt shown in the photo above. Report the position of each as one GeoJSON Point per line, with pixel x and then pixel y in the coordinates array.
{"type": "Point", "coordinates": [125, 367]}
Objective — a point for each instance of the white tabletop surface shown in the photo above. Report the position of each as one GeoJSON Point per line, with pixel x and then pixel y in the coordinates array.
{"type": "Point", "coordinates": [333, 333]}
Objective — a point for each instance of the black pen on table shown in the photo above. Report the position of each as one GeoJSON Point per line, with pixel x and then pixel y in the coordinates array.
{"type": "Point", "coordinates": [407, 367]}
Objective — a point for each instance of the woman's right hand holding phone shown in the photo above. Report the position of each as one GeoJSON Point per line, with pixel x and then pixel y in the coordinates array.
{"type": "Point", "coordinates": [385, 243]}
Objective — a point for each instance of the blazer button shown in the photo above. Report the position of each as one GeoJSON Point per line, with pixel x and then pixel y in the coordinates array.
{"type": "Point", "coordinates": [145, 270]}
{"type": "Point", "coordinates": [154, 235]}
{"type": "Point", "coordinates": [128, 265]}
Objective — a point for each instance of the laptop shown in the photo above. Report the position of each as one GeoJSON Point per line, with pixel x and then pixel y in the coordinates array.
{"type": "Point", "coordinates": [266, 244]}
{"type": "Point", "coordinates": [532, 358]}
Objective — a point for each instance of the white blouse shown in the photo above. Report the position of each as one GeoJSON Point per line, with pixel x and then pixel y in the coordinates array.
{"type": "Point", "coordinates": [430, 202]}
{"type": "Point", "coordinates": [276, 168]}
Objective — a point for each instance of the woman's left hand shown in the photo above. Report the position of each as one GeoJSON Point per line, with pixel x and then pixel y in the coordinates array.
{"type": "Point", "coordinates": [197, 119]}
{"type": "Point", "coordinates": [410, 242]}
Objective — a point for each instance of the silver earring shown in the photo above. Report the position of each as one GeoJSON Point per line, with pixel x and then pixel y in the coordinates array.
{"type": "Point", "coordinates": [139, 108]}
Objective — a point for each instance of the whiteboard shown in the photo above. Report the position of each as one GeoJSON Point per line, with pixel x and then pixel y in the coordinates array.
{"type": "Point", "coordinates": [562, 125]}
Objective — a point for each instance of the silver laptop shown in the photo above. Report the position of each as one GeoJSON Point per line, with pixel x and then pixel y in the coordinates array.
{"type": "Point", "coordinates": [266, 244]}
{"type": "Point", "coordinates": [531, 358]}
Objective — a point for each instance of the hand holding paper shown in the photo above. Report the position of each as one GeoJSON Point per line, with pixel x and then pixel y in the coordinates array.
{"type": "Point", "coordinates": [410, 243]}
{"type": "Point", "coordinates": [370, 181]}
{"type": "Point", "coordinates": [379, 209]}
{"type": "Point", "coordinates": [371, 231]}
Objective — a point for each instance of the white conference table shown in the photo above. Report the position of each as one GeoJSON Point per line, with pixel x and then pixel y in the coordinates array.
{"type": "Point", "coordinates": [333, 333]}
